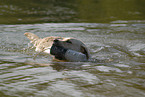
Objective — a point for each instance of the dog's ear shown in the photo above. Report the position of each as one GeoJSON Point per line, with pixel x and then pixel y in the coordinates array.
{"type": "Point", "coordinates": [85, 51]}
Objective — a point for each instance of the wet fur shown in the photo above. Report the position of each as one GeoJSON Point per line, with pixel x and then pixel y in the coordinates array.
{"type": "Point", "coordinates": [44, 44]}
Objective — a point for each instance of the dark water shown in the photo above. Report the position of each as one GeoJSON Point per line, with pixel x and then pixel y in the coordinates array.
{"type": "Point", "coordinates": [116, 38]}
{"type": "Point", "coordinates": [94, 11]}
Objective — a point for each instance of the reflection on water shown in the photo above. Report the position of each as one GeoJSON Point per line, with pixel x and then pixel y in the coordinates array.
{"type": "Point", "coordinates": [118, 45]}
{"type": "Point", "coordinates": [40, 11]}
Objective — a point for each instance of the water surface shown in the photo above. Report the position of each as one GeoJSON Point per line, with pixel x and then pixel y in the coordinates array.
{"type": "Point", "coordinates": [113, 30]}
{"type": "Point", "coordinates": [88, 11]}
{"type": "Point", "coordinates": [119, 45]}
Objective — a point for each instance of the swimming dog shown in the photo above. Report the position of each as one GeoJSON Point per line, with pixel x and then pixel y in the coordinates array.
{"type": "Point", "coordinates": [45, 44]}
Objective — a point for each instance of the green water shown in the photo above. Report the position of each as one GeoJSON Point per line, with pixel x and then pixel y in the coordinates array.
{"type": "Point", "coordinates": [113, 30]}
{"type": "Point", "coordinates": [94, 11]}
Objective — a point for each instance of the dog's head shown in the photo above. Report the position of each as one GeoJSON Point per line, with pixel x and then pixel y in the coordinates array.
{"type": "Point", "coordinates": [73, 44]}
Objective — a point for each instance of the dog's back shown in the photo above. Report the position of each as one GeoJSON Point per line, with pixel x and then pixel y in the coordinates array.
{"type": "Point", "coordinates": [41, 44]}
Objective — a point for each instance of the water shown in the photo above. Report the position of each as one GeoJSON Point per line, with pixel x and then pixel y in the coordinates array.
{"type": "Point", "coordinates": [113, 30]}
{"type": "Point", "coordinates": [70, 11]}
{"type": "Point", "coordinates": [119, 47]}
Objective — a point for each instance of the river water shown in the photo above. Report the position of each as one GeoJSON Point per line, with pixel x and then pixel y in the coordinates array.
{"type": "Point", "coordinates": [118, 48]}
{"type": "Point", "coordinates": [113, 31]}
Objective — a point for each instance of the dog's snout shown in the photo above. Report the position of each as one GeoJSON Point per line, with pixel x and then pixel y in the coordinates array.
{"type": "Point", "coordinates": [56, 40]}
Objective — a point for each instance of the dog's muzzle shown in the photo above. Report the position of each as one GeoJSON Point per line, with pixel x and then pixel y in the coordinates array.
{"type": "Point", "coordinates": [67, 54]}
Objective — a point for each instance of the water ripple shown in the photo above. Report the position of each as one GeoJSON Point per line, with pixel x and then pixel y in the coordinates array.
{"type": "Point", "coordinates": [116, 47]}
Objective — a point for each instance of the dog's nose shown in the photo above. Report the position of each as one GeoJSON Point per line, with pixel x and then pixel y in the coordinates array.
{"type": "Point", "coordinates": [56, 40]}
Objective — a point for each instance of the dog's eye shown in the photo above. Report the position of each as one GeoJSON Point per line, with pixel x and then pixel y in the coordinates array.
{"type": "Point", "coordinates": [68, 41]}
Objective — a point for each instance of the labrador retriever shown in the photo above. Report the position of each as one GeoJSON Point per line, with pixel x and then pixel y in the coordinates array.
{"type": "Point", "coordinates": [45, 44]}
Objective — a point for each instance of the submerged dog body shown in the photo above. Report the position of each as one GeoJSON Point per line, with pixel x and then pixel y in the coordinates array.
{"type": "Point", "coordinates": [44, 44]}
